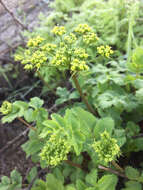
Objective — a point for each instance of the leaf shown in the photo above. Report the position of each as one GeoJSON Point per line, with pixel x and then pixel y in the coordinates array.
{"type": "Point", "coordinates": [53, 183]}
{"type": "Point", "coordinates": [32, 174]}
{"type": "Point", "coordinates": [16, 177]}
{"type": "Point", "coordinates": [132, 173]}
{"type": "Point", "coordinates": [28, 115]}
{"type": "Point", "coordinates": [132, 185]}
{"type": "Point", "coordinates": [91, 178]}
{"type": "Point", "coordinates": [107, 182]}
{"type": "Point", "coordinates": [106, 123]}
{"type": "Point", "coordinates": [32, 147]}
{"type": "Point", "coordinates": [80, 185]}
{"type": "Point", "coordinates": [36, 102]}
{"type": "Point", "coordinates": [119, 135]}
{"type": "Point", "coordinates": [139, 95]}
{"type": "Point", "coordinates": [58, 174]}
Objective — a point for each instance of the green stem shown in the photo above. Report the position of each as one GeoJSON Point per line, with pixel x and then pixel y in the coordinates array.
{"type": "Point", "coordinates": [83, 96]}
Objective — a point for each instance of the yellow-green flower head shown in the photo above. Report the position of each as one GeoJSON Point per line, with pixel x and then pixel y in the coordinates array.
{"type": "Point", "coordinates": [35, 42]}
{"type": "Point", "coordinates": [90, 38]}
{"type": "Point", "coordinates": [59, 30]}
{"type": "Point", "coordinates": [82, 29]}
{"type": "Point", "coordinates": [55, 150]}
{"type": "Point", "coordinates": [48, 47]}
{"type": "Point", "coordinates": [105, 51]}
{"type": "Point", "coordinates": [18, 57]}
{"type": "Point", "coordinates": [38, 58]}
{"type": "Point", "coordinates": [70, 38]}
{"type": "Point", "coordinates": [60, 58]}
{"type": "Point", "coordinates": [80, 53]}
{"type": "Point", "coordinates": [6, 108]}
{"type": "Point", "coordinates": [78, 65]}
{"type": "Point", "coordinates": [107, 148]}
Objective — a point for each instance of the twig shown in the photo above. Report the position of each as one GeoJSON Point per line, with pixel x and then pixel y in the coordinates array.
{"type": "Point", "coordinates": [13, 141]}
{"type": "Point", "coordinates": [117, 166]}
{"type": "Point", "coordinates": [111, 171]}
{"type": "Point", "coordinates": [9, 48]}
{"type": "Point", "coordinates": [33, 180]}
{"type": "Point", "coordinates": [73, 164]}
{"type": "Point", "coordinates": [25, 123]}
{"type": "Point", "coordinates": [13, 16]}
{"type": "Point", "coordinates": [137, 136]}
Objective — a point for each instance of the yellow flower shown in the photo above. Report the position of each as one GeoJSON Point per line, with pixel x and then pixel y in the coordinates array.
{"type": "Point", "coordinates": [105, 51]}
{"type": "Point", "coordinates": [34, 42]}
{"type": "Point", "coordinates": [59, 30]}
{"type": "Point", "coordinates": [90, 38]}
{"type": "Point", "coordinates": [82, 29]}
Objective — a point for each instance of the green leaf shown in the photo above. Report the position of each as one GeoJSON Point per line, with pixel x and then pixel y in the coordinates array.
{"type": "Point", "coordinates": [91, 178]}
{"type": "Point", "coordinates": [32, 174]}
{"type": "Point", "coordinates": [139, 95]}
{"type": "Point", "coordinates": [53, 183]}
{"type": "Point", "coordinates": [16, 177]}
{"type": "Point", "coordinates": [102, 125]}
{"type": "Point", "coordinates": [132, 173]}
{"type": "Point", "coordinates": [119, 135]}
{"type": "Point", "coordinates": [28, 115]}
{"type": "Point", "coordinates": [36, 102]}
{"type": "Point", "coordinates": [80, 185]}
{"type": "Point", "coordinates": [132, 185]}
{"type": "Point", "coordinates": [108, 182]}
{"type": "Point", "coordinates": [58, 174]}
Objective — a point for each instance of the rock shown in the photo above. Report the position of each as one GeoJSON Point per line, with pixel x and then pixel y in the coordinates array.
{"type": "Point", "coordinates": [27, 12]}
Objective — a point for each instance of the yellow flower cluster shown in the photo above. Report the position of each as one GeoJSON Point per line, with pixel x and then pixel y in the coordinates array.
{"type": "Point", "coordinates": [70, 38]}
{"type": "Point", "coordinates": [59, 30]}
{"type": "Point", "coordinates": [80, 52]}
{"type": "Point", "coordinates": [55, 151]}
{"type": "Point", "coordinates": [78, 65]}
{"type": "Point", "coordinates": [105, 50]}
{"type": "Point", "coordinates": [90, 38]}
{"type": "Point", "coordinates": [60, 58]}
{"type": "Point", "coordinates": [106, 148]}
{"type": "Point", "coordinates": [37, 59]}
{"type": "Point", "coordinates": [48, 47]}
{"type": "Point", "coordinates": [82, 29]}
{"type": "Point", "coordinates": [6, 108]}
{"type": "Point", "coordinates": [18, 57]}
{"type": "Point", "coordinates": [34, 42]}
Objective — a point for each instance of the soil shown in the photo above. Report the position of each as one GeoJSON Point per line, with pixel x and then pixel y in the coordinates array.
{"type": "Point", "coordinates": [13, 156]}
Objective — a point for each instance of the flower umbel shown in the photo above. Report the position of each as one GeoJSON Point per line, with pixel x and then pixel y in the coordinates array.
{"type": "Point", "coordinates": [55, 150]}
{"type": "Point", "coordinates": [106, 148]}
{"type": "Point", "coordinates": [83, 28]}
{"type": "Point", "coordinates": [59, 30]}
{"type": "Point", "coordinates": [105, 51]}
{"type": "Point", "coordinates": [34, 42]}
{"type": "Point", "coordinates": [6, 108]}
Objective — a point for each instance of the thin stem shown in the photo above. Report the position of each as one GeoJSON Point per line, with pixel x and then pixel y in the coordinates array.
{"type": "Point", "coordinates": [13, 16]}
{"type": "Point", "coordinates": [111, 171]}
{"type": "Point", "coordinates": [117, 166]}
{"type": "Point", "coordinates": [73, 164]}
{"type": "Point", "coordinates": [83, 96]}
{"type": "Point", "coordinates": [25, 123]}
